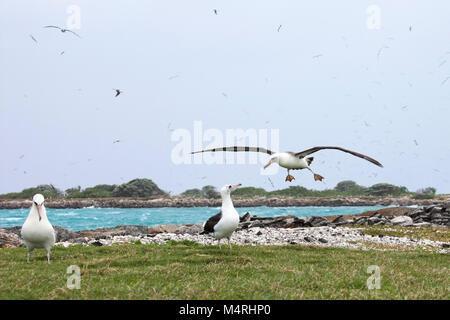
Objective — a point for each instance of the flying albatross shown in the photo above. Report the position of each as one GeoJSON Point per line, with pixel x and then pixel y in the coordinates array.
{"type": "Point", "coordinates": [223, 224]}
{"type": "Point", "coordinates": [37, 231]}
{"type": "Point", "coordinates": [291, 160]}
{"type": "Point", "coordinates": [63, 30]}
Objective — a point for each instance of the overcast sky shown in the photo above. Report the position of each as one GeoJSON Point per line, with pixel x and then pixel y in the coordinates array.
{"type": "Point", "coordinates": [365, 75]}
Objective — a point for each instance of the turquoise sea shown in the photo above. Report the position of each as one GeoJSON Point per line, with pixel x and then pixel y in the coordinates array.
{"type": "Point", "coordinates": [93, 218]}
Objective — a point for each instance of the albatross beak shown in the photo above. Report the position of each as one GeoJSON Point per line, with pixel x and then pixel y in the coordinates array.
{"type": "Point", "coordinates": [268, 164]}
{"type": "Point", "coordinates": [234, 187]}
{"type": "Point", "coordinates": [39, 206]}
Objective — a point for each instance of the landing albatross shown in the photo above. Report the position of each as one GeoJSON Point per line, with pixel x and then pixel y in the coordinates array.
{"type": "Point", "coordinates": [37, 231]}
{"type": "Point", "coordinates": [223, 224]}
{"type": "Point", "coordinates": [291, 160]}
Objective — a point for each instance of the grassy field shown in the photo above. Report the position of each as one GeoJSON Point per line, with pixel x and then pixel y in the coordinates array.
{"type": "Point", "coordinates": [184, 270]}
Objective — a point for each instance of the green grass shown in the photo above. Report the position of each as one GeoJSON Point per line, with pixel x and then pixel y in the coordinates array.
{"type": "Point", "coordinates": [185, 270]}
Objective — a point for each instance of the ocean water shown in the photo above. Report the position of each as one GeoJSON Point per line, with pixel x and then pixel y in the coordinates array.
{"type": "Point", "coordinates": [93, 218]}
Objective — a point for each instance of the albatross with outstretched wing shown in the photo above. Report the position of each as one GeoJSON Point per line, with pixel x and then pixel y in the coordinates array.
{"type": "Point", "coordinates": [63, 30]}
{"type": "Point", "coordinates": [291, 160]}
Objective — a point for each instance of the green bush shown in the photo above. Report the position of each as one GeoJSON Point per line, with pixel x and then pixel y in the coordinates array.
{"type": "Point", "coordinates": [192, 193]}
{"type": "Point", "coordinates": [386, 189]}
{"type": "Point", "coordinates": [249, 192]}
{"type": "Point", "coordinates": [421, 196]}
{"type": "Point", "coordinates": [47, 190]}
{"type": "Point", "coordinates": [210, 192]}
{"type": "Point", "coordinates": [138, 188]}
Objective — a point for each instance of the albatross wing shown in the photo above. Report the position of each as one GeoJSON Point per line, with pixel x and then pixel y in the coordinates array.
{"type": "Point", "coordinates": [209, 225]}
{"type": "Point", "coordinates": [237, 149]}
{"type": "Point", "coordinates": [304, 153]}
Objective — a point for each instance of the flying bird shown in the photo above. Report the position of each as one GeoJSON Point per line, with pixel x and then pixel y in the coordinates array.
{"type": "Point", "coordinates": [317, 55]}
{"type": "Point", "coordinates": [381, 49]}
{"type": "Point", "coordinates": [118, 91]}
{"type": "Point", "coordinates": [215, 11]}
{"type": "Point", "coordinates": [279, 27]}
{"type": "Point", "coordinates": [63, 30]}
{"type": "Point", "coordinates": [271, 182]}
{"type": "Point", "coordinates": [37, 231]}
{"type": "Point", "coordinates": [291, 160]}
{"type": "Point", "coordinates": [116, 141]}
{"type": "Point", "coordinates": [223, 224]}
{"type": "Point", "coordinates": [31, 36]}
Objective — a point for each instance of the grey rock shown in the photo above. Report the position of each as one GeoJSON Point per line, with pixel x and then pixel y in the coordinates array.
{"type": "Point", "coordinates": [338, 219]}
{"type": "Point", "coordinates": [245, 218]}
{"type": "Point", "coordinates": [402, 221]}
{"type": "Point", "coordinates": [437, 210]}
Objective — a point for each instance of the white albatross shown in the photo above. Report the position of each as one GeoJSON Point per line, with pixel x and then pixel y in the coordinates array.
{"type": "Point", "coordinates": [291, 160]}
{"type": "Point", "coordinates": [223, 224]}
{"type": "Point", "coordinates": [37, 231]}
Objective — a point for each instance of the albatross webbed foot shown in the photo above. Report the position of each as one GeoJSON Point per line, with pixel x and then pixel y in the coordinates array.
{"type": "Point", "coordinates": [318, 177]}
{"type": "Point", "coordinates": [289, 178]}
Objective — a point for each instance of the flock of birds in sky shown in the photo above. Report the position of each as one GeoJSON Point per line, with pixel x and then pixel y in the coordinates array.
{"type": "Point", "coordinates": [284, 159]}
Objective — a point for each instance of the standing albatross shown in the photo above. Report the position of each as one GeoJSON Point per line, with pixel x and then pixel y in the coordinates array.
{"type": "Point", "coordinates": [37, 231]}
{"type": "Point", "coordinates": [223, 224]}
{"type": "Point", "coordinates": [291, 160]}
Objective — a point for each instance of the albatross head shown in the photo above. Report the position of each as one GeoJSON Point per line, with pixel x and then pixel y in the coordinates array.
{"type": "Point", "coordinates": [273, 159]}
{"type": "Point", "coordinates": [38, 201]}
{"type": "Point", "coordinates": [226, 189]}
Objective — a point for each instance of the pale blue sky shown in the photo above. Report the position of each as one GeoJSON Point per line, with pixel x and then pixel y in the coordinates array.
{"type": "Point", "coordinates": [175, 59]}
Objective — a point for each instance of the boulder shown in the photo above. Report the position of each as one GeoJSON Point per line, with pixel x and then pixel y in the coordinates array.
{"type": "Point", "coordinates": [402, 221]}
{"type": "Point", "coordinates": [338, 219]}
{"type": "Point", "coordinates": [245, 218]}
{"type": "Point", "coordinates": [9, 240]}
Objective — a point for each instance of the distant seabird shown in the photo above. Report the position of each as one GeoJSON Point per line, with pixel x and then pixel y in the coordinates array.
{"type": "Point", "coordinates": [31, 36]}
{"type": "Point", "coordinates": [223, 224]}
{"type": "Point", "coordinates": [215, 11]}
{"type": "Point", "coordinates": [279, 27]}
{"type": "Point", "coordinates": [63, 30]}
{"type": "Point", "coordinates": [118, 91]}
{"type": "Point", "coordinates": [381, 49]}
{"type": "Point", "coordinates": [37, 231]}
{"type": "Point", "coordinates": [291, 160]}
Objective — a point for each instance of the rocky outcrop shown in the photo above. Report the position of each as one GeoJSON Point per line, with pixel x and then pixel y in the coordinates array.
{"type": "Point", "coordinates": [9, 239]}
{"type": "Point", "coordinates": [408, 217]}
{"type": "Point", "coordinates": [178, 201]}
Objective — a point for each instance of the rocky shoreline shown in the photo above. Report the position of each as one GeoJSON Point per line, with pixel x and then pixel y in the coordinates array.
{"type": "Point", "coordinates": [178, 201]}
{"type": "Point", "coordinates": [315, 230]}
